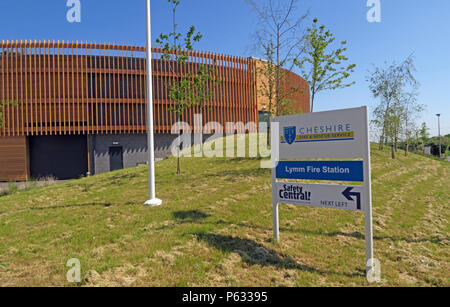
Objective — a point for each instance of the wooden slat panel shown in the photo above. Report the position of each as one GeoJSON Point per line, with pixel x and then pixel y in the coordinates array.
{"type": "Point", "coordinates": [13, 159]}
{"type": "Point", "coordinates": [109, 89]}
{"type": "Point", "coordinates": [75, 88]}
{"type": "Point", "coordinates": [6, 109]}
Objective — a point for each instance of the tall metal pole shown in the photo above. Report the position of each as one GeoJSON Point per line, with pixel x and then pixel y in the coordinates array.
{"type": "Point", "coordinates": [439, 128]}
{"type": "Point", "coordinates": [153, 201]}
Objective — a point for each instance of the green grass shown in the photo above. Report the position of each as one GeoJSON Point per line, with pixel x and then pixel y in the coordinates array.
{"type": "Point", "coordinates": [215, 229]}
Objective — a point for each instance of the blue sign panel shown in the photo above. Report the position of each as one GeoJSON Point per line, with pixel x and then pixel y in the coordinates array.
{"type": "Point", "coordinates": [321, 170]}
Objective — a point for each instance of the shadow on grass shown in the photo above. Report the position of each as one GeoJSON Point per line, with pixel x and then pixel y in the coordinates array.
{"type": "Point", "coordinates": [254, 253]}
{"type": "Point", "coordinates": [357, 235]}
{"type": "Point", "coordinates": [190, 216]}
{"type": "Point", "coordinates": [196, 216]}
{"type": "Point", "coordinates": [106, 205]}
{"type": "Point", "coordinates": [251, 252]}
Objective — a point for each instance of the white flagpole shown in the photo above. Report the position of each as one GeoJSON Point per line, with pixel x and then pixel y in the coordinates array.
{"type": "Point", "coordinates": [153, 201]}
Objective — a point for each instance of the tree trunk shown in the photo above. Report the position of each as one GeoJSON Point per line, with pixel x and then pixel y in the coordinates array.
{"type": "Point", "coordinates": [179, 163]}
{"type": "Point", "coordinates": [393, 151]}
{"type": "Point", "coordinates": [383, 136]}
{"type": "Point", "coordinates": [407, 141]}
{"type": "Point", "coordinates": [179, 150]}
{"type": "Point", "coordinates": [313, 95]}
{"type": "Point", "coordinates": [396, 142]}
{"type": "Point", "coordinates": [277, 98]}
{"type": "Point", "coordinates": [383, 133]}
{"type": "Point", "coordinates": [277, 76]}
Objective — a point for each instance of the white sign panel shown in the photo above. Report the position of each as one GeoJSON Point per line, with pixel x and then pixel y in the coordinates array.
{"type": "Point", "coordinates": [323, 196]}
{"type": "Point", "coordinates": [333, 134]}
{"type": "Point", "coordinates": [324, 146]}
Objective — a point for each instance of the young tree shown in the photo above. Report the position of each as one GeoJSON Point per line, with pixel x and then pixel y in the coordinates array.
{"type": "Point", "coordinates": [411, 110]}
{"type": "Point", "coordinates": [393, 118]}
{"type": "Point", "coordinates": [266, 75]}
{"type": "Point", "coordinates": [390, 85]}
{"type": "Point", "coordinates": [280, 40]}
{"type": "Point", "coordinates": [2, 107]}
{"type": "Point", "coordinates": [186, 90]}
{"type": "Point", "coordinates": [414, 136]}
{"type": "Point", "coordinates": [266, 71]}
{"type": "Point", "coordinates": [324, 70]}
{"type": "Point", "coordinates": [390, 120]}
{"type": "Point", "coordinates": [424, 134]}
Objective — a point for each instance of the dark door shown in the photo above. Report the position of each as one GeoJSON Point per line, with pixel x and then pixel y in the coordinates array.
{"type": "Point", "coordinates": [62, 157]}
{"type": "Point", "coordinates": [115, 158]}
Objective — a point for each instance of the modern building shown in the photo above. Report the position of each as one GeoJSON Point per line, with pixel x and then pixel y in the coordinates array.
{"type": "Point", "coordinates": [82, 106]}
{"type": "Point", "coordinates": [294, 90]}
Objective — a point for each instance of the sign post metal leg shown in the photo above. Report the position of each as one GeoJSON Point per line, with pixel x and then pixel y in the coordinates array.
{"type": "Point", "coordinates": [368, 203]}
{"type": "Point", "coordinates": [276, 219]}
{"type": "Point", "coordinates": [274, 144]}
{"type": "Point", "coordinates": [369, 241]}
{"type": "Point", "coordinates": [276, 225]}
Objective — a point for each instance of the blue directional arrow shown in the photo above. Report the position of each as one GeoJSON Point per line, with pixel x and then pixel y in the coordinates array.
{"type": "Point", "coordinates": [348, 194]}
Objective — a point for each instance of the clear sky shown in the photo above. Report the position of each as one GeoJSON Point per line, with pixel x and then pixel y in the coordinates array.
{"type": "Point", "coordinates": [421, 27]}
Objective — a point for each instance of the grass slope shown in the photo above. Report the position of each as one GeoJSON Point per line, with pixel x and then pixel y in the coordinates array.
{"type": "Point", "coordinates": [215, 229]}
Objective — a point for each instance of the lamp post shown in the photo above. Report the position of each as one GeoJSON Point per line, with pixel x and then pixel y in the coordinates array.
{"type": "Point", "coordinates": [153, 201]}
{"type": "Point", "coordinates": [439, 128]}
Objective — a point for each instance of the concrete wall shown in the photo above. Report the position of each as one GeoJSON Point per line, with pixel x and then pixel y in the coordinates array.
{"type": "Point", "coordinates": [134, 149]}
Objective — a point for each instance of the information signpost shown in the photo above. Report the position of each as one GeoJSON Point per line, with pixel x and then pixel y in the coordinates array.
{"type": "Point", "coordinates": [341, 140]}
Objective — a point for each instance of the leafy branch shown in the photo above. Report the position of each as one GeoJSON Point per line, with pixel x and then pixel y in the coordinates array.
{"type": "Point", "coordinates": [324, 70]}
{"type": "Point", "coordinates": [185, 89]}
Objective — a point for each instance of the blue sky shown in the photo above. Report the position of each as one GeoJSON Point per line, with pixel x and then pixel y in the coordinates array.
{"type": "Point", "coordinates": [408, 26]}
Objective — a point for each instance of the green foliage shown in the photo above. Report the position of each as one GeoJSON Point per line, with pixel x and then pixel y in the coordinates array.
{"type": "Point", "coordinates": [2, 106]}
{"type": "Point", "coordinates": [12, 187]}
{"type": "Point", "coordinates": [267, 73]}
{"type": "Point", "coordinates": [268, 80]}
{"type": "Point", "coordinates": [175, 44]}
{"type": "Point", "coordinates": [423, 133]}
{"type": "Point", "coordinates": [186, 89]}
{"type": "Point", "coordinates": [323, 69]}
{"type": "Point", "coordinates": [422, 139]}
{"type": "Point", "coordinates": [434, 142]}
{"type": "Point", "coordinates": [396, 88]}
{"type": "Point", "coordinates": [192, 90]}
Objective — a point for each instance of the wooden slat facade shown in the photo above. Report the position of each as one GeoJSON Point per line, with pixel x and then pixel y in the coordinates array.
{"type": "Point", "coordinates": [14, 161]}
{"type": "Point", "coordinates": [65, 88]}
